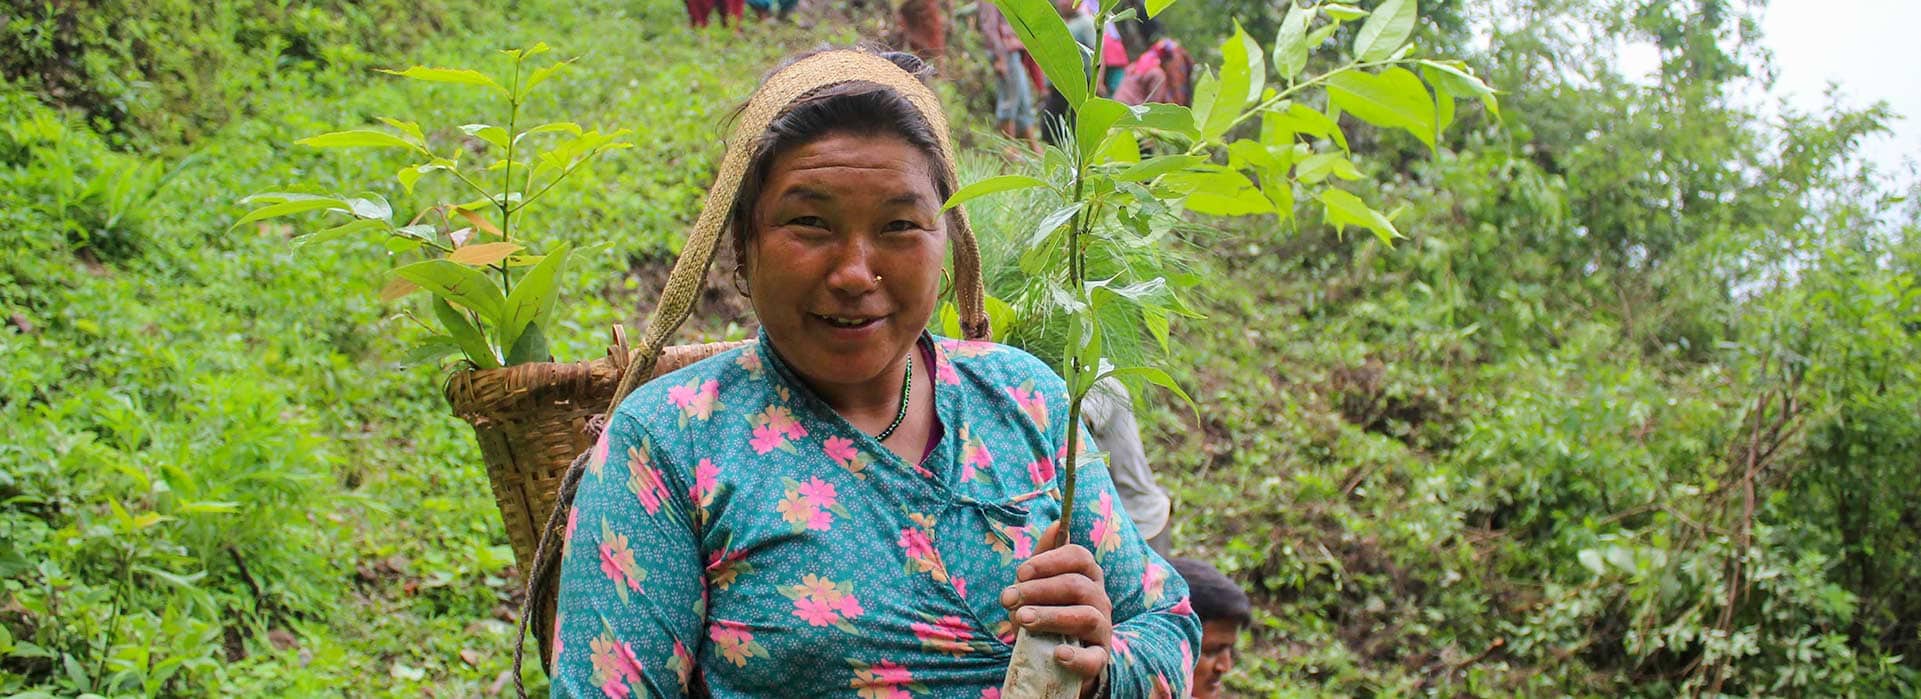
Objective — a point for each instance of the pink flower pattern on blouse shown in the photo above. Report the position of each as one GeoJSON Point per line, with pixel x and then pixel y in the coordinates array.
{"type": "Point", "coordinates": [779, 552]}
{"type": "Point", "coordinates": [696, 399]}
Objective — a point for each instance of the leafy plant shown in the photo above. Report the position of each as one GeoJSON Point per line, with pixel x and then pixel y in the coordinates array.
{"type": "Point", "coordinates": [461, 250]}
{"type": "Point", "coordinates": [1114, 195]}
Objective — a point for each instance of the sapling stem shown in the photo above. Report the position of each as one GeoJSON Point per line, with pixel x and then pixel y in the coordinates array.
{"type": "Point", "coordinates": [507, 173]}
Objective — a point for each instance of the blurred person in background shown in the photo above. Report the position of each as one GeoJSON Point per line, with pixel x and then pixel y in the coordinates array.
{"type": "Point", "coordinates": [1224, 611]}
{"type": "Point", "coordinates": [1014, 91]}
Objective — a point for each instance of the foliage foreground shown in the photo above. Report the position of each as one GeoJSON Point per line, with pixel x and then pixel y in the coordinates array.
{"type": "Point", "coordinates": [1630, 408]}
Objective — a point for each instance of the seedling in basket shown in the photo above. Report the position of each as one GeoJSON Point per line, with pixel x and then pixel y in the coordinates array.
{"type": "Point", "coordinates": [491, 292]}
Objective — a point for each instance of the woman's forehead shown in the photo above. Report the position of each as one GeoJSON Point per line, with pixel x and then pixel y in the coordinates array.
{"type": "Point", "coordinates": [885, 168]}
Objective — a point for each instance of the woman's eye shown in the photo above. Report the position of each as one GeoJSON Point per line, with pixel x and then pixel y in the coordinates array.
{"type": "Point", "coordinates": [808, 221]}
{"type": "Point", "coordinates": [903, 225]}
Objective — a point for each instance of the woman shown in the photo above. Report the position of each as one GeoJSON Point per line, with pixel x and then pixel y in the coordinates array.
{"type": "Point", "coordinates": [851, 507]}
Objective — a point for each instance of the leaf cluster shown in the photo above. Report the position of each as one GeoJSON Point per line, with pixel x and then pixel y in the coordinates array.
{"type": "Point", "coordinates": [462, 250]}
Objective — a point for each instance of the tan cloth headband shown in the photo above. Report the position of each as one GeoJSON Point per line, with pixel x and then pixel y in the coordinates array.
{"type": "Point", "coordinates": [775, 96]}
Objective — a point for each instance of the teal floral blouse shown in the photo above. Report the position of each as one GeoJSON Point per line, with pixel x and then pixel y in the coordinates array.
{"type": "Point", "coordinates": [734, 533]}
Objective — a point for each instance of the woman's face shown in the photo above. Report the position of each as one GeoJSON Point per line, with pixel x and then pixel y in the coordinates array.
{"type": "Point", "coordinates": [845, 260]}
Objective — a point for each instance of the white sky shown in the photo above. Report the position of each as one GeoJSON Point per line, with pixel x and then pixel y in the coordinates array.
{"type": "Point", "coordinates": [1872, 48]}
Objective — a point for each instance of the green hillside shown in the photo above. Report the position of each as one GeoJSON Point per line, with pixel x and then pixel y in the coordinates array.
{"type": "Point", "coordinates": [1633, 409]}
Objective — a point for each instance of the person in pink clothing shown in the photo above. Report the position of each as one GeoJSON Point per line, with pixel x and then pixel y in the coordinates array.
{"type": "Point", "coordinates": [1159, 75]}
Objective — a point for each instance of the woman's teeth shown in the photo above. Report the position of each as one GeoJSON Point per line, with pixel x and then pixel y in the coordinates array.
{"type": "Point", "coordinates": [847, 322]}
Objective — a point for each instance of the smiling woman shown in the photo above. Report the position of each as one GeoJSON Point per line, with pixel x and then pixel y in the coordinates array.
{"type": "Point", "coordinates": [851, 506]}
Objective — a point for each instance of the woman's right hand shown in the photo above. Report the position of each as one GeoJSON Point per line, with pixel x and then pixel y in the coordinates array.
{"type": "Point", "coordinates": [1060, 591]}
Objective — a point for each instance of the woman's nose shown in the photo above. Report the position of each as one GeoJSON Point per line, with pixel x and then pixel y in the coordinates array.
{"type": "Point", "coordinates": [853, 271]}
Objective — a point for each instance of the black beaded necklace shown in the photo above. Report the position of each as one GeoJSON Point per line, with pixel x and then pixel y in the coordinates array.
{"type": "Point", "coordinates": [906, 390]}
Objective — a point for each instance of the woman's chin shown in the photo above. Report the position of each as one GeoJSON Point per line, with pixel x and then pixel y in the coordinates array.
{"type": "Point", "coordinates": [842, 358]}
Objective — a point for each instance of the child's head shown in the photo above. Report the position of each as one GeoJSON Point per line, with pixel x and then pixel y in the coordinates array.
{"type": "Point", "coordinates": [1068, 8]}
{"type": "Point", "coordinates": [1224, 610]}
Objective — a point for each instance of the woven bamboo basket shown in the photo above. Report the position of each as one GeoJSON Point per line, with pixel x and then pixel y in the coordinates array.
{"type": "Point", "coordinates": [531, 421]}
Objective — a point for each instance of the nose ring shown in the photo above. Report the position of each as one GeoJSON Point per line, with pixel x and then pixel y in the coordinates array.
{"type": "Point", "coordinates": [877, 278]}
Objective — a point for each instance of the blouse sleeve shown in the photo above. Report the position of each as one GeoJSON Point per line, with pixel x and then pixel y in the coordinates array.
{"type": "Point", "coordinates": [632, 588]}
{"type": "Point", "coordinates": [1155, 630]}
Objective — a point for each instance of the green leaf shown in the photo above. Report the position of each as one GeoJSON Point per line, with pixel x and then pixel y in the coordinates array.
{"type": "Point", "coordinates": [1290, 43]}
{"type": "Point", "coordinates": [950, 320]}
{"type": "Point", "coordinates": [359, 138]}
{"type": "Point", "coordinates": [177, 580]}
{"type": "Point", "coordinates": [1317, 167]}
{"type": "Point", "coordinates": [1222, 193]}
{"type": "Point", "coordinates": [1243, 153]}
{"type": "Point", "coordinates": [1319, 36]}
{"type": "Point", "coordinates": [461, 76]}
{"type": "Point", "coordinates": [566, 127]}
{"type": "Point", "coordinates": [991, 185]}
{"type": "Point", "coordinates": [1053, 221]}
{"type": "Point", "coordinates": [1344, 209]}
{"type": "Point", "coordinates": [1300, 118]}
{"type": "Point", "coordinates": [1156, 321]}
{"type": "Point", "coordinates": [431, 350]}
{"type": "Point", "coordinates": [530, 347]}
{"type": "Point", "coordinates": [1343, 13]}
{"type": "Point", "coordinates": [1096, 117]}
{"type": "Point", "coordinates": [349, 228]}
{"type": "Point", "coordinates": [1121, 147]}
{"type": "Point", "coordinates": [1443, 114]}
{"type": "Point", "coordinates": [1280, 191]}
{"type": "Point", "coordinates": [286, 208]}
{"type": "Point", "coordinates": [458, 284]}
{"type": "Point", "coordinates": [540, 75]}
{"type": "Point", "coordinates": [1386, 30]}
{"type": "Point", "coordinates": [1156, 7]}
{"type": "Point", "coordinates": [532, 300]}
{"type": "Point", "coordinates": [538, 48]}
{"type": "Point", "coordinates": [76, 673]}
{"type": "Point", "coordinates": [375, 208]}
{"type": "Point", "coordinates": [1591, 560]}
{"type": "Point", "coordinates": [1453, 78]}
{"type": "Point", "coordinates": [409, 175]}
{"type": "Point", "coordinates": [1207, 90]}
{"type": "Point", "coordinates": [1045, 35]}
{"type": "Point", "coordinates": [11, 562]}
{"type": "Point", "coordinates": [1157, 377]}
{"type": "Point", "coordinates": [999, 315]}
{"type": "Point", "coordinates": [1162, 116]}
{"type": "Point", "coordinates": [1231, 93]}
{"type": "Point", "coordinates": [1250, 56]}
{"type": "Point", "coordinates": [1151, 168]}
{"type": "Point", "coordinates": [407, 127]}
{"type": "Point", "coordinates": [1393, 99]}
{"type": "Point", "coordinates": [486, 132]}
{"type": "Point", "coordinates": [465, 335]}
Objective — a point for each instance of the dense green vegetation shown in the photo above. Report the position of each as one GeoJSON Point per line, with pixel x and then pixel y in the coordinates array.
{"type": "Point", "coordinates": [1631, 410]}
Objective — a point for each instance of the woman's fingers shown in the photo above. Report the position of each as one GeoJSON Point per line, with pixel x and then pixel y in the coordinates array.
{"type": "Point", "coordinates": [1082, 621]}
{"type": "Point", "coordinates": [1072, 558]}
{"type": "Point", "coordinates": [1057, 591]}
{"type": "Point", "coordinates": [1060, 591]}
{"type": "Point", "coordinates": [1086, 662]}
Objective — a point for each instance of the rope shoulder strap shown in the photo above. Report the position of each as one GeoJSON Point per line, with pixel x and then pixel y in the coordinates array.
{"type": "Point", "coordinates": [690, 270]}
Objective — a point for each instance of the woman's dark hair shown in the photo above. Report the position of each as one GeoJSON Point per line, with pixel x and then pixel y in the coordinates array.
{"type": "Point", "coordinates": [851, 108]}
{"type": "Point", "coordinates": [1215, 596]}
